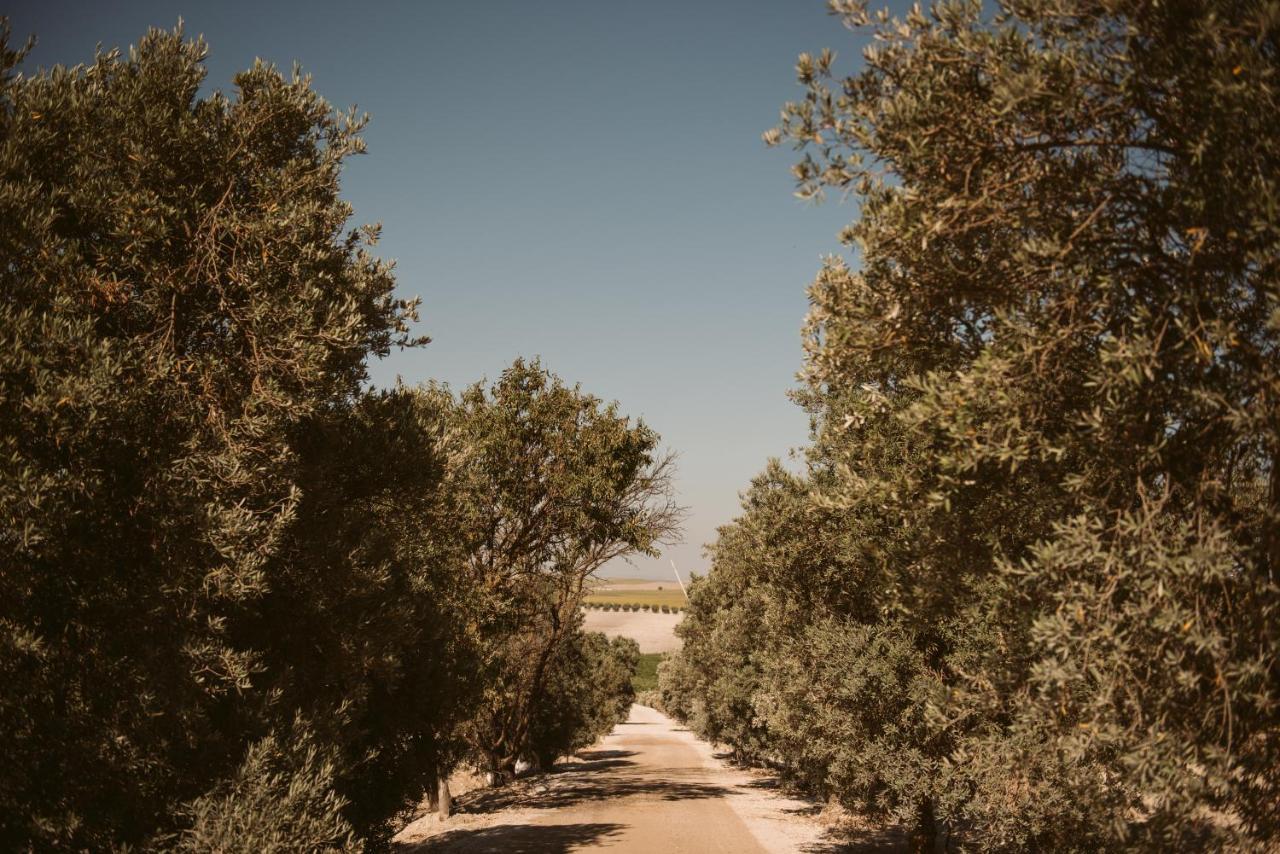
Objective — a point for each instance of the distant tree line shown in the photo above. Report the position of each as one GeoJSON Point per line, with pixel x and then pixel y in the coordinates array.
{"type": "Point", "coordinates": [638, 606]}
{"type": "Point", "coordinates": [246, 602]}
{"type": "Point", "coordinates": [1023, 595]}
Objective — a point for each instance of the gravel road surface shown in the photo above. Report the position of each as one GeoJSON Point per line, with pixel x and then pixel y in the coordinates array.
{"type": "Point", "coordinates": [649, 786]}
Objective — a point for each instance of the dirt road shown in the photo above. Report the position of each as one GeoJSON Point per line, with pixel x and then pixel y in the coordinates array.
{"type": "Point", "coordinates": [650, 786]}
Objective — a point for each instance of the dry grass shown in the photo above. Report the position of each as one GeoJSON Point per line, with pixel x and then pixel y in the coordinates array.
{"type": "Point", "coordinates": [631, 583]}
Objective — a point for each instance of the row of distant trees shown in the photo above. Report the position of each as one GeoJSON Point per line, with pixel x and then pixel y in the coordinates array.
{"type": "Point", "coordinates": [1023, 595]}
{"type": "Point", "coordinates": [624, 606]}
{"type": "Point", "coordinates": [246, 603]}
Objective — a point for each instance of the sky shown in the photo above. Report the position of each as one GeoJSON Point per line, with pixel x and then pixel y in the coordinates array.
{"type": "Point", "coordinates": [579, 181]}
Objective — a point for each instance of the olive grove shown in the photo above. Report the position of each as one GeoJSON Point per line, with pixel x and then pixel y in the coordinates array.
{"type": "Point", "coordinates": [1024, 594]}
{"type": "Point", "coordinates": [248, 603]}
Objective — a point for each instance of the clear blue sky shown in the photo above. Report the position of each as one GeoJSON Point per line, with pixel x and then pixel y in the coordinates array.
{"type": "Point", "coordinates": [580, 181]}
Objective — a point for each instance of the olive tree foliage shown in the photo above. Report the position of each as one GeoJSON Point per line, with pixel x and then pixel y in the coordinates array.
{"type": "Point", "coordinates": [365, 627]}
{"type": "Point", "coordinates": [589, 691]}
{"type": "Point", "coordinates": [223, 575]}
{"type": "Point", "coordinates": [783, 662]}
{"type": "Point", "coordinates": [549, 484]}
{"type": "Point", "coordinates": [733, 620]}
{"type": "Point", "coordinates": [1044, 428]}
{"type": "Point", "coordinates": [281, 799]}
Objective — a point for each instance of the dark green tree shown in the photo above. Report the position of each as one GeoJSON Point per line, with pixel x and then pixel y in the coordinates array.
{"type": "Point", "coordinates": [549, 484]}
{"type": "Point", "coordinates": [365, 627]}
{"type": "Point", "coordinates": [588, 692]}
{"type": "Point", "coordinates": [1064, 327]}
{"type": "Point", "coordinates": [204, 564]}
{"type": "Point", "coordinates": [1044, 429]}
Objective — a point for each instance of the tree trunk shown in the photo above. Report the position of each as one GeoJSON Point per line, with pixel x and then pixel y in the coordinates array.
{"type": "Point", "coordinates": [444, 800]}
{"type": "Point", "coordinates": [924, 838]}
{"type": "Point", "coordinates": [1273, 535]}
{"type": "Point", "coordinates": [493, 771]}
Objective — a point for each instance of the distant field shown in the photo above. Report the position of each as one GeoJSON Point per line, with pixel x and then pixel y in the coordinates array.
{"type": "Point", "coordinates": [670, 598]}
{"type": "Point", "coordinates": [633, 582]}
{"type": "Point", "coordinates": [653, 631]}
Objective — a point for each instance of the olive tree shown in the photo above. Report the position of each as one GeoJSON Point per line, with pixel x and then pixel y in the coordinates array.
{"type": "Point", "coordinates": [589, 690]}
{"type": "Point", "coordinates": [208, 622]}
{"type": "Point", "coordinates": [1046, 394]}
{"type": "Point", "coordinates": [549, 484]}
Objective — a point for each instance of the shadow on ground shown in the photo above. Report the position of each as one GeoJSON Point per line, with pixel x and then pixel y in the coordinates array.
{"type": "Point", "coordinates": [593, 776]}
{"type": "Point", "coordinates": [886, 840]}
{"type": "Point", "coordinates": [891, 840]}
{"type": "Point", "coordinates": [570, 787]}
{"type": "Point", "coordinates": [520, 838]}
{"type": "Point", "coordinates": [594, 755]}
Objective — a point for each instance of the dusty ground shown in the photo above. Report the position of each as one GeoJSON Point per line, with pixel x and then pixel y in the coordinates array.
{"type": "Point", "coordinates": [649, 786]}
{"type": "Point", "coordinates": [654, 632]}
{"type": "Point", "coordinates": [634, 584]}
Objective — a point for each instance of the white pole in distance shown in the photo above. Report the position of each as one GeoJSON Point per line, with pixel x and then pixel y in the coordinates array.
{"type": "Point", "coordinates": [678, 581]}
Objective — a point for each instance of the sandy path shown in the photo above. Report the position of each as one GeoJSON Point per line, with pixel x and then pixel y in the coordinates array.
{"type": "Point", "coordinates": [650, 786]}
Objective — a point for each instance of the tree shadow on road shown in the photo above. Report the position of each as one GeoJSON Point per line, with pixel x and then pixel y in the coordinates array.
{"type": "Point", "coordinates": [769, 783]}
{"type": "Point", "coordinates": [520, 838]}
{"type": "Point", "coordinates": [600, 775]}
{"type": "Point", "coordinates": [889, 840]}
{"type": "Point", "coordinates": [593, 755]}
{"type": "Point", "coordinates": [594, 761]}
{"type": "Point", "coordinates": [576, 788]}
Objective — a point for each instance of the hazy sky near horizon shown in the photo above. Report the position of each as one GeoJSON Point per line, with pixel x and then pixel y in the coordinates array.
{"type": "Point", "coordinates": [579, 181]}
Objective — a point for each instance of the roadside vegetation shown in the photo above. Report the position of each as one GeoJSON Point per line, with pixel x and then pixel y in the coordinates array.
{"type": "Point", "coordinates": [247, 603]}
{"type": "Point", "coordinates": [646, 675]}
{"type": "Point", "coordinates": [1023, 594]}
